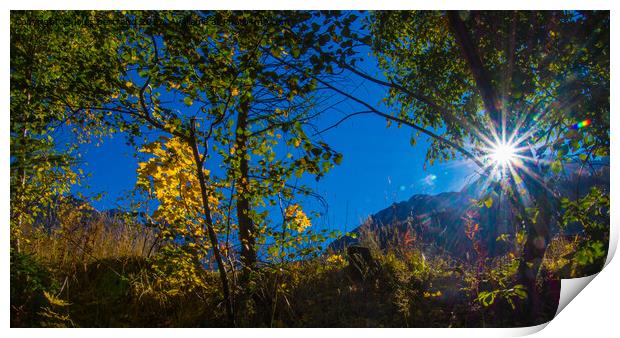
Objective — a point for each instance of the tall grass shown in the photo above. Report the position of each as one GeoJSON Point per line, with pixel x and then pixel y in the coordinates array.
{"type": "Point", "coordinates": [98, 270]}
{"type": "Point", "coordinates": [78, 235]}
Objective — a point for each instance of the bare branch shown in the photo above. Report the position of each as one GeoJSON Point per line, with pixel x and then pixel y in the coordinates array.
{"type": "Point", "coordinates": [344, 119]}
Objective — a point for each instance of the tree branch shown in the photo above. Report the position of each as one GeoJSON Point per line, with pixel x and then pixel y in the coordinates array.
{"type": "Point", "coordinates": [344, 119]}
{"type": "Point", "coordinates": [407, 123]}
{"type": "Point", "coordinates": [422, 98]}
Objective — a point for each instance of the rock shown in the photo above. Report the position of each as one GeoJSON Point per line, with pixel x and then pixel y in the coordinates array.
{"type": "Point", "coordinates": [361, 264]}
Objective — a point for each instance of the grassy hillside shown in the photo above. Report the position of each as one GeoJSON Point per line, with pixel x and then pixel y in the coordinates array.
{"type": "Point", "coordinates": [75, 280]}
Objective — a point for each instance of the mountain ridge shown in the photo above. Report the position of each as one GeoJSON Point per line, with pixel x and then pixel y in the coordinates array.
{"type": "Point", "coordinates": [440, 221]}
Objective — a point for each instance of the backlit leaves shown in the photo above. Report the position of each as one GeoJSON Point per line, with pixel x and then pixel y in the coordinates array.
{"type": "Point", "coordinates": [169, 176]}
{"type": "Point", "coordinates": [296, 218]}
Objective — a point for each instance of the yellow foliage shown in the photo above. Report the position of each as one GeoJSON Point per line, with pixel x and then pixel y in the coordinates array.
{"type": "Point", "coordinates": [213, 201]}
{"type": "Point", "coordinates": [54, 300]}
{"type": "Point", "coordinates": [336, 260]}
{"type": "Point", "coordinates": [432, 294]}
{"type": "Point", "coordinates": [297, 219]}
{"type": "Point", "coordinates": [170, 176]}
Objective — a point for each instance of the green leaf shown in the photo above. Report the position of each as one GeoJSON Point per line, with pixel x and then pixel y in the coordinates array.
{"type": "Point", "coordinates": [295, 52]}
{"type": "Point", "coordinates": [272, 251]}
{"type": "Point", "coordinates": [326, 166]}
{"type": "Point", "coordinates": [520, 291]}
{"type": "Point", "coordinates": [188, 101]}
{"type": "Point", "coordinates": [486, 298]}
{"type": "Point", "coordinates": [338, 159]}
{"type": "Point", "coordinates": [316, 151]}
{"type": "Point", "coordinates": [556, 167]}
{"type": "Point", "coordinates": [502, 238]}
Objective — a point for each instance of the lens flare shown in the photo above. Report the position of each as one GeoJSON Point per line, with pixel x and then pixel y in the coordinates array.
{"type": "Point", "coordinates": [581, 124]}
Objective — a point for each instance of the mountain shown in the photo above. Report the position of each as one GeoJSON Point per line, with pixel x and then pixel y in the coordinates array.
{"type": "Point", "coordinates": [442, 222]}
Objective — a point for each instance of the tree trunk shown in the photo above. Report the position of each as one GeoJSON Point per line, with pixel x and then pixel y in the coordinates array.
{"type": "Point", "coordinates": [538, 234]}
{"type": "Point", "coordinates": [209, 225]}
{"type": "Point", "coordinates": [246, 226]}
{"type": "Point", "coordinates": [537, 240]}
{"type": "Point", "coordinates": [481, 76]}
{"type": "Point", "coordinates": [247, 235]}
{"type": "Point", "coordinates": [21, 207]}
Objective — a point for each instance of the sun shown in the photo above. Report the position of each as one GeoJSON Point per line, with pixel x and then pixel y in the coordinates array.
{"type": "Point", "coordinates": [503, 154]}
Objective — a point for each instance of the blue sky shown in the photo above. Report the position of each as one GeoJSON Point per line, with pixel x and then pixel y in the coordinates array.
{"type": "Point", "coordinates": [379, 166]}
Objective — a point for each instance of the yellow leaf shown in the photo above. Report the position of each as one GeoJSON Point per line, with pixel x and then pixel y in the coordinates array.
{"type": "Point", "coordinates": [517, 179]}
{"type": "Point", "coordinates": [488, 202]}
{"type": "Point", "coordinates": [54, 300]}
{"type": "Point", "coordinates": [234, 91]}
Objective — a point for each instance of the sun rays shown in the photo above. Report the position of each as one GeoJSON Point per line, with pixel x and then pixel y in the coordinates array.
{"type": "Point", "coordinates": [509, 158]}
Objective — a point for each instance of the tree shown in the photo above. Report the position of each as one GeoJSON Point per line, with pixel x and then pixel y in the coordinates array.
{"type": "Point", "coordinates": [60, 65]}
{"type": "Point", "coordinates": [475, 82]}
{"type": "Point", "coordinates": [472, 81]}
{"type": "Point", "coordinates": [211, 82]}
